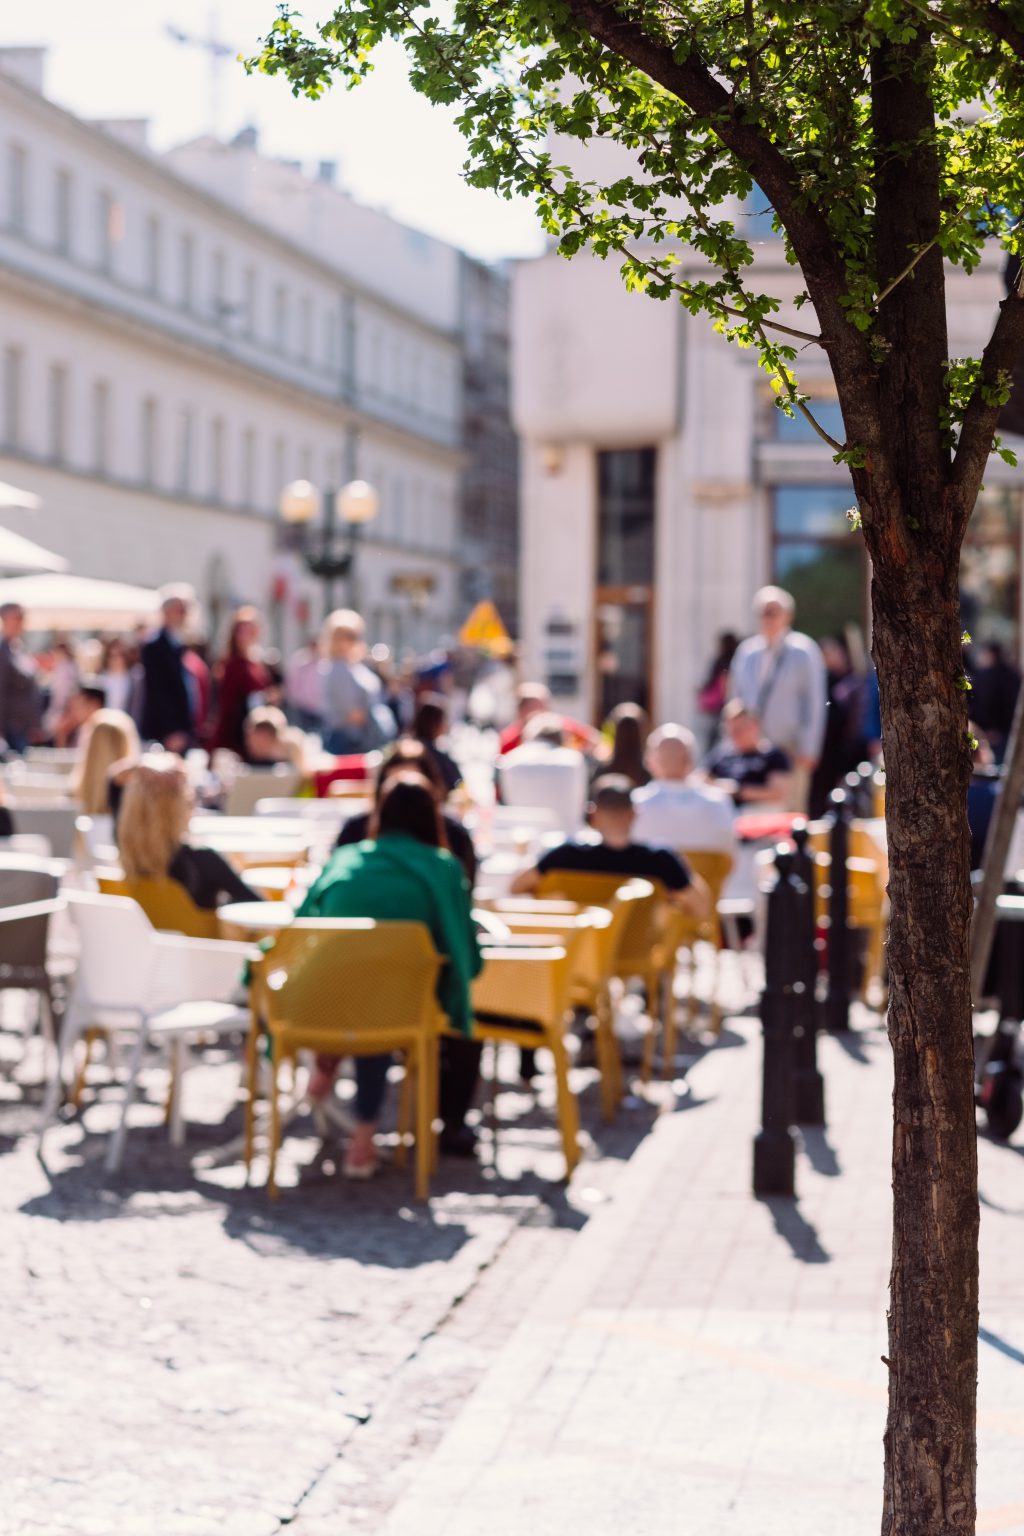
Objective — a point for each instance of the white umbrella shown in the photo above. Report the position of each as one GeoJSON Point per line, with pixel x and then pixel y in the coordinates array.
{"type": "Point", "coordinates": [79, 602]}
{"type": "Point", "coordinates": [12, 496]}
{"type": "Point", "coordinates": [18, 554]}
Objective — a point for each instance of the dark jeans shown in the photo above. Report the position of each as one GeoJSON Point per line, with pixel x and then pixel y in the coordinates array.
{"type": "Point", "coordinates": [458, 1074]}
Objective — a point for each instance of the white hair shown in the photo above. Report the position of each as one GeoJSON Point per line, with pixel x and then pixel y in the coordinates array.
{"type": "Point", "coordinates": [766, 595]}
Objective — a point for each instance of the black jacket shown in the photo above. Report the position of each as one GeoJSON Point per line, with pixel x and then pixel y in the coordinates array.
{"type": "Point", "coordinates": [166, 704]}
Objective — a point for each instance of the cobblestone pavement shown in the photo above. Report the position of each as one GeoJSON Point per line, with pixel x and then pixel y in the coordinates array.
{"type": "Point", "coordinates": [704, 1362]}
{"type": "Point", "coordinates": [180, 1356]}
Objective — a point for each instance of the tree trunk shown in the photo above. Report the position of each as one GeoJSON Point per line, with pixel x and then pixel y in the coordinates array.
{"type": "Point", "coordinates": [930, 1440]}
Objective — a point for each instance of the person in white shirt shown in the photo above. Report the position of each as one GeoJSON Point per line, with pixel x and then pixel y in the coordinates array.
{"type": "Point", "coordinates": [677, 810]}
{"type": "Point", "coordinates": [780, 676]}
{"type": "Point", "coordinates": [544, 772]}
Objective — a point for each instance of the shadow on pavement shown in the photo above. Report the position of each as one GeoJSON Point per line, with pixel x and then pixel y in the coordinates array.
{"type": "Point", "coordinates": [796, 1229]}
{"type": "Point", "coordinates": [820, 1154]}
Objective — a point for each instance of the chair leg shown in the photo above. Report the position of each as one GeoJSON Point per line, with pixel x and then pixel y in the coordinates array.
{"type": "Point", "coordinates": [115, 1150]}
{"type": "Point", "coordinates": [275, 1129]}
{"type": "Point", "coordinates": [607, 1059]}
{"type": "Point", "coordinates": [92, 1034]}
{"type": "Point", "coordinates": [424, 1122]}
{"type": "Point", "coordinates": [251, 1075]}
{"type": "Point", "coordinates": [669, 1034]}
{"type": "Point", "coordinates": [72, 1026]}
{"type": "Point", "coordinates": [406, 1111]}
{"type": "Point", "coordinates": [568, 1110]}
{"type": "Point", "coordinates": [175, 1116]}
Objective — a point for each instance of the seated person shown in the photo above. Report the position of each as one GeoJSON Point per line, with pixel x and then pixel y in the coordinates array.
{"type": "Point", "coordinates": [982, 794]}
{"type": "Point", "coordinates": [269, 739]}
{"type": "Point", "coordinates": [6, 819]}
{"type": "Point", "coordinates": [545, 773]}
{"type": "Point", "coordinates": [428, 727]}
{"type": "Point", "coordinates": [403, 872]}
{"type": "Point", "coordinates": [109, 738]}
{"type": "Point", "coordinates": [676, 810]}
{"type": "Point", "coordinates": [612, 851]}
{"type": "Point", "coordinates": [413, 756]}
{"type": "Point", "coordinates": [87, 700]}
{"type": "Point", "coordinates": [535, 699]}
{"type": "Point", "coordinates": [152, 828]}
{"type": "Point", "coordinates": [747, 766]}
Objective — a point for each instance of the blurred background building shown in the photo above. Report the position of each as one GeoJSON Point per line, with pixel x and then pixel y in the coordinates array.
{"type": "Point", "coordinates": [183, 335]}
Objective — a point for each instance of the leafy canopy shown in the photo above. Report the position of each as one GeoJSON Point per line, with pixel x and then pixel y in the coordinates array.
{"type": "Point", "coordinates": [707, 95]}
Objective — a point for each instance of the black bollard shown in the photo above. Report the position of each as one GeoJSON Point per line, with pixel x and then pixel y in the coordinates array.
{"type": "Point", "coordinates": [775, 1144]}
{"type": "Point", "coordinates": [837, 1002]}
{"type": "Point", "coordinates": [808, 1083]}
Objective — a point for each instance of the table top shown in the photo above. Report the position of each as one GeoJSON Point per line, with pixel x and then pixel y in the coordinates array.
{"type": "Point", "coordinates": [256, 917]}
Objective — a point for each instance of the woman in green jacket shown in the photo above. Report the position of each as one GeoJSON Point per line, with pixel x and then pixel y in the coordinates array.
{"type": "Point", "coordinates": [403, 873]}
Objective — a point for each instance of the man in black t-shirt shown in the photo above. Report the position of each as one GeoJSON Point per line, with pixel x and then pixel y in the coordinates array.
{"type": "Point", "coordinates": [747, 764]}
{"type": "Point", "coordinates": [612, 851]}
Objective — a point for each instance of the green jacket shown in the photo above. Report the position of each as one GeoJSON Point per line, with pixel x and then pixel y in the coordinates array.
{"type": "Point", "coordinates": [399, 879]}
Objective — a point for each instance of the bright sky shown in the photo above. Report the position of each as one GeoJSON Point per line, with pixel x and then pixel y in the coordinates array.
{"type": "Point", "coordinates": [113, 58]}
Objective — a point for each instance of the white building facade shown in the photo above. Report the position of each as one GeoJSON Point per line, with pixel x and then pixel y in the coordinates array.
{"type": "Point", "coordinates": [661, 488]}
{"type": "Point", "coordinates": [181, 336]}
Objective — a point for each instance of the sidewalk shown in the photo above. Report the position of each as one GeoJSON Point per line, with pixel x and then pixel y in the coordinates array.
{"type": "Point", "coordinates": [704, 1362]}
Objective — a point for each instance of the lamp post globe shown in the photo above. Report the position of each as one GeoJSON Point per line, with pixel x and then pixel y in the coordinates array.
{"type": "Point", "coordinates": [357, 503]}
{"type": "Point", "coordinates": [299, 502]}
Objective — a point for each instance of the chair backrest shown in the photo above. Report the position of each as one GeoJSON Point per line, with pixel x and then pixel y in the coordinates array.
{"type": "Point", "coordinates": [117, 958]}
{"type": "Point", "coordinates": [27, 882]}
{"type": "Point", "coordinates": [255, 784]}
{"type": "Point", "coordinates": [299, 809]}
{"type": "Point", "coordinates": [167, 905]}
{"type": "Point", "coordinates": [334, 975]}
{"type": "Point", "coordinates": [54, 822]}
{"type": "Point", "coordinates": [713, 868]}
{"type": "Point", "coordinates": [528, 984]}
{"type": "Point", "coordinates": [24, 933]}
{"type": "Point", "coordinates": [31, 843]}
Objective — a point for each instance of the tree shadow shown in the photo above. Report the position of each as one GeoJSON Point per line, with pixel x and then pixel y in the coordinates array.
{"type": "Point", "coordinates": [1002, 1345]}
{"type": "Point", "coordinates": [853, 1042]}
{"type": "Point", "coordinates": [798, 1232]}
{"type": "Point", "coordinates": [820, 1154]}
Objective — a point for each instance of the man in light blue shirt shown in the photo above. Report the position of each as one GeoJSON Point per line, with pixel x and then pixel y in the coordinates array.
{"type": "Point", "coordinates": [780, 676]}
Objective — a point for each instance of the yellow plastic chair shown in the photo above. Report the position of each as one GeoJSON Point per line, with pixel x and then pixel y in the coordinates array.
{"type": "Point", "coordinates": [350, 987]}
{"type": "Point", "coordinates": [599, 959]}
{"type": "Point", "coordinates": [868, 903]}
{"type": "Point", "coordinates": [714, 869]}
{"type": "Point", "coordinates": [167, 904]}
{"type": "Point", "coordinates": [523, 997]}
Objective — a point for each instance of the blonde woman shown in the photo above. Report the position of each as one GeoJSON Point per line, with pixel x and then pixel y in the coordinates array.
{"type": "Point", "coordinates": [152, 831]}
{"type": "Point", "coordinates": [111, 739]}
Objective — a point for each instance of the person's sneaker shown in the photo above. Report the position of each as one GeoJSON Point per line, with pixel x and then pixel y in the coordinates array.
{"type": "Point", "coordinates": [459, 1141]}
{"type": "Point", "coordinates": [361, 1165]}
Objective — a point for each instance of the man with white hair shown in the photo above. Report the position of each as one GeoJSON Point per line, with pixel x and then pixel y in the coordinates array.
{"type": "Point", "coordinates": [677, 810]}
{"type": "Point", "coordinates": [780, 676]}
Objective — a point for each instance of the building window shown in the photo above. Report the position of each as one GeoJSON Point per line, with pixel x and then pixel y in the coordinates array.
{"type": "Point", "coordinates": [305, 327]}
{"type": "Point", "coordinates": [183, 453]}
{"type": "Point", "coordinates": [217, 459]}
{"type": "Point", "coordinates": [150, 441]}
{"type": "Point", "coordinates": [280, 317]}
{"type": "Point", "coordinates": [249, 468]}
{"type": "Point", "coordinates": [152, 255]}
{"type": "Point", "coordinates": [277, 470]}
{"type": "Point", "coordinates": [218, 271]}
{"type": "Point", "coordinates": [625, 522]}
{"type": "Point", "coordinates": [58, 412]}
{"type": "Point", "coordinates": [17, 181]}
{"type": "Point", "coordinates": [101, 426]}
{"type": "Point", "coordinates": [818, 559]}
{"type": "Point", "coordinates": [251, 301]}
{"type": "Point", "coordinates": [306, 463]}
{"type": "Point", "coordinates": [12, 396]}
{"type": "Point", "coordinates": [186, 271]}
{"type": "Point", "coordinates": [990, 568]}
{"type": "Point", "coordinates": [62, 212]}
{"type": "Point", "coordinates": [105, 221]}
{"type": "Point", "coordinates": [797, 429]}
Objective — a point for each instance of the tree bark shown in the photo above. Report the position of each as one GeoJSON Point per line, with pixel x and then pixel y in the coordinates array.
{"type": "Point", "coordinates": [930, 1445]}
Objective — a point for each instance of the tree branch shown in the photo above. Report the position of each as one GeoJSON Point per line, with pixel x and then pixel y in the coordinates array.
{"type": "Point", "coordinates": [999, 24]}
{"type": "Point", "coordinates": [1000, 357]}
{"type": "Point", "coordinates": [699, 89]}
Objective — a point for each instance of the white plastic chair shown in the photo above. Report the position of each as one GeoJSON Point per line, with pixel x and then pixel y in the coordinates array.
{"type": "Point", "coordinates": [159, 988]}
{"type": "Point", "coordinates": [31, 843]}
{"type": "Point", "coordinates": [97, 833]}
{"type": "Point", "coordinates": [254, 784]}
{"type": "Point", "coordinates": [303, 810]}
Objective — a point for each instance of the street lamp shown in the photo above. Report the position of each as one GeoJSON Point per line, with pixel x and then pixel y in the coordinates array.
{"type": "Point", "coordinates": [327, 552]}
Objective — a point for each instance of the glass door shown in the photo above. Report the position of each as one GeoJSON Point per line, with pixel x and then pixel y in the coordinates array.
{"type": "Point", "coordinates": [622, 650]}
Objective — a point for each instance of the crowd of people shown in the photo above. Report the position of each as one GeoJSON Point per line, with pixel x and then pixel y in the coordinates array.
{"type": "Point", "coordinates": [790, 719]}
